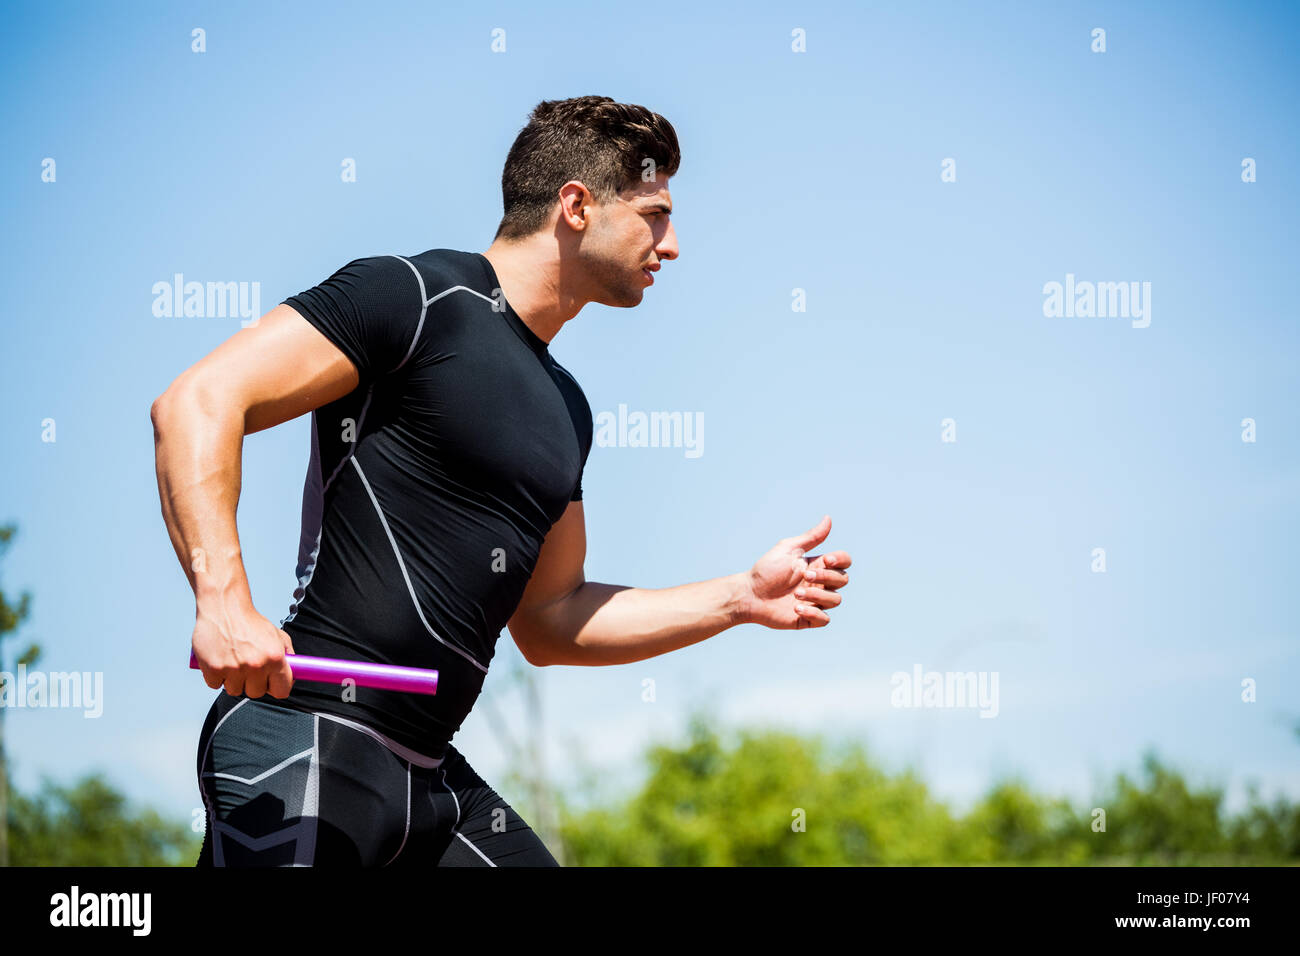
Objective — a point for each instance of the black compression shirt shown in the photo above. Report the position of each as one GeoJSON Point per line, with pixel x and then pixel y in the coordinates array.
{"type": "Point", "coordinates": [431, 485]}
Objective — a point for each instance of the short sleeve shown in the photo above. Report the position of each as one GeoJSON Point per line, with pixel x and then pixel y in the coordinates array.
{"type": "Point", "coordinates": [585, 435]}
{"type": "Point", "coordinates": [370, 309]}
{"type": "Point", "coordinates": [580, 413]}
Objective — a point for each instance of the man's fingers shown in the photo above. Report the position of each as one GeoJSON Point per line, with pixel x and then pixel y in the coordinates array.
{"type": "Point", "coordinates": [833, 559]}
{"type": "Point", "coordinates": [817, 596]}
{"type": "Point", "coordinates": [255, 684]}
{"type": "Point", "coordinates": [281, 681]}
{"type": "Point", "coordinates": [821, 577]}
{"type": "Point", "coordinates": [810, 616]}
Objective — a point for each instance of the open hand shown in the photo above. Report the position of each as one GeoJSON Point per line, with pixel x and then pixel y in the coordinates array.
{"type": "Point", "coordinates": [787, 589]}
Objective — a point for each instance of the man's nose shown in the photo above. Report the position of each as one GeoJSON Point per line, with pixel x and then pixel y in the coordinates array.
{"type": "Point", "coordinates": [667, 246]}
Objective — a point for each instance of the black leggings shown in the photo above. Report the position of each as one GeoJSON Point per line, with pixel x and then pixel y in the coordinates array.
{"type": "Point", "coordinates": [285, 787]}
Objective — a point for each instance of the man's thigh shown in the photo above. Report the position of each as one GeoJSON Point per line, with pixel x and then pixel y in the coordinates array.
{"type": "Point", "coordinates": [490, 832]}
{"type": "Point", "coordinates": [288, 788]}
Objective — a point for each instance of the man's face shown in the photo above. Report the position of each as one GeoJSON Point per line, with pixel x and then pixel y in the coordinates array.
{"type": "Point", "coordinates": [628, 237]}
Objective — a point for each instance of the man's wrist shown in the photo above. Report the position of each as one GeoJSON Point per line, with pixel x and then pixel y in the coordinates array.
{"type": "Point", "coordinates": [220, 580]}
{"type": "Point", "coordinates": [740, 599]}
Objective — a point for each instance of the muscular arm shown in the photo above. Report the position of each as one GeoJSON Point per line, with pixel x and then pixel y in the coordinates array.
{"type": "Point", "coordinates": [565, 619]}
{"type": "Point", "coordinates": [612, 624]}
{"type": "Point", "coordinates": [263, 375]}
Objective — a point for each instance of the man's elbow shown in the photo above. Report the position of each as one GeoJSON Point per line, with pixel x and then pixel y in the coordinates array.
{"type": "Point", "coordinates": [534, 643]}
{"type": "Point", "coordinates": [526, 634]}
{"type": "Point", "coordinates": [184, 404]}
{"type": "Point", "coordinates": [165, 404]}
{"type": "Point", "coordinates": [158, 411]}
{"type": "Point", "coordinates": [542, 632]}
{"type": "Point", "coordinates": [539, 660]}
{"type": "Point", "coordinates": [533, 653]}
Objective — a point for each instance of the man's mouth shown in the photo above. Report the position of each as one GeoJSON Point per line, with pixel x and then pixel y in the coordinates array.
{"type": "Point", "coordinates": [649, 275]}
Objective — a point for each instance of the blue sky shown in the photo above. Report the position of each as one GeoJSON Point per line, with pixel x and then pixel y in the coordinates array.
{"type": "Point", "coordinates": [817, 171]}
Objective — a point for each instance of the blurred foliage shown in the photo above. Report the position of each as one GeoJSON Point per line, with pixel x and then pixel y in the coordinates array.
{"type": "Point", "coordinates": [91, 824]}
{"type": "Point", "coordinates": [705, 803]}
{"type": "Point", "coordinates": [11, 615]}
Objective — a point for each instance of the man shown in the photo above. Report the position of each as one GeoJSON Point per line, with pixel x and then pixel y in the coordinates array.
{"type": "Point", "coordinates": [443, 501]}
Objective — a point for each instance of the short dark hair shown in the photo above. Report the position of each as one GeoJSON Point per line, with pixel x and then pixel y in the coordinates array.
{"type": "Point", "coordinates": [593, 139]}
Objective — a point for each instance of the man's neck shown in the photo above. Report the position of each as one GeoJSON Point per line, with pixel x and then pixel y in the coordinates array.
{"type": "Point", "coordinates": [533, 283]}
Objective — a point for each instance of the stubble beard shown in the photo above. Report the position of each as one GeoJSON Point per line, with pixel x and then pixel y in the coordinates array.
{"type": "Point", "coordinates": [611, 275]}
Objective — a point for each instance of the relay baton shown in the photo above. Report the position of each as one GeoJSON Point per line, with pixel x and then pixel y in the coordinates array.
{"type": "Point", "coordinates": [328, 670]}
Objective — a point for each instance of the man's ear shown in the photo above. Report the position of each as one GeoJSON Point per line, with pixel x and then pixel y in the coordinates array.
{"type": "Point", "coordinates": [575, 199]}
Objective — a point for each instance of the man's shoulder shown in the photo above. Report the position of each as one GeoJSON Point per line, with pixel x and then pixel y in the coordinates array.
{"type": "Point", "coordinates": [443, 269]}
{"type": "Point", "coordinates": [435, 270]}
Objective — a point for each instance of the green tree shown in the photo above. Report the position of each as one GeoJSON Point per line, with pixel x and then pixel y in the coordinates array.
{"type": "Point", "coordinates": [1264, 825]}
{"type": "Point", "coordinates": [772, 799]}
{"type": "Point", "coordinates": [11, 618]}
{"type": "Point", "coordinates": [1159, 819]}
{"type": "Point", "coordinates": [1012, 824]}
{"type": "Point", "coordinates": [707, 802]}
{"type": "Point", "coordinates": [92, 824]}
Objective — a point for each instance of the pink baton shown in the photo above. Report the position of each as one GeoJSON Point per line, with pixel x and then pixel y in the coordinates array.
{"type": "Point", "coordinates": [327, 670]}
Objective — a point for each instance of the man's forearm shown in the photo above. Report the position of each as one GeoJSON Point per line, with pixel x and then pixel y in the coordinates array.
{"type": "Point", "coordinates": [601, 624]}
{"type": "Point", "coordinates": [197, 450]}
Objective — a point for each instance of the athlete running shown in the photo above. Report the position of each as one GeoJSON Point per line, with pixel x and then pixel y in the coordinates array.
{"type": "Point", "coordinates": [442, 503]}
